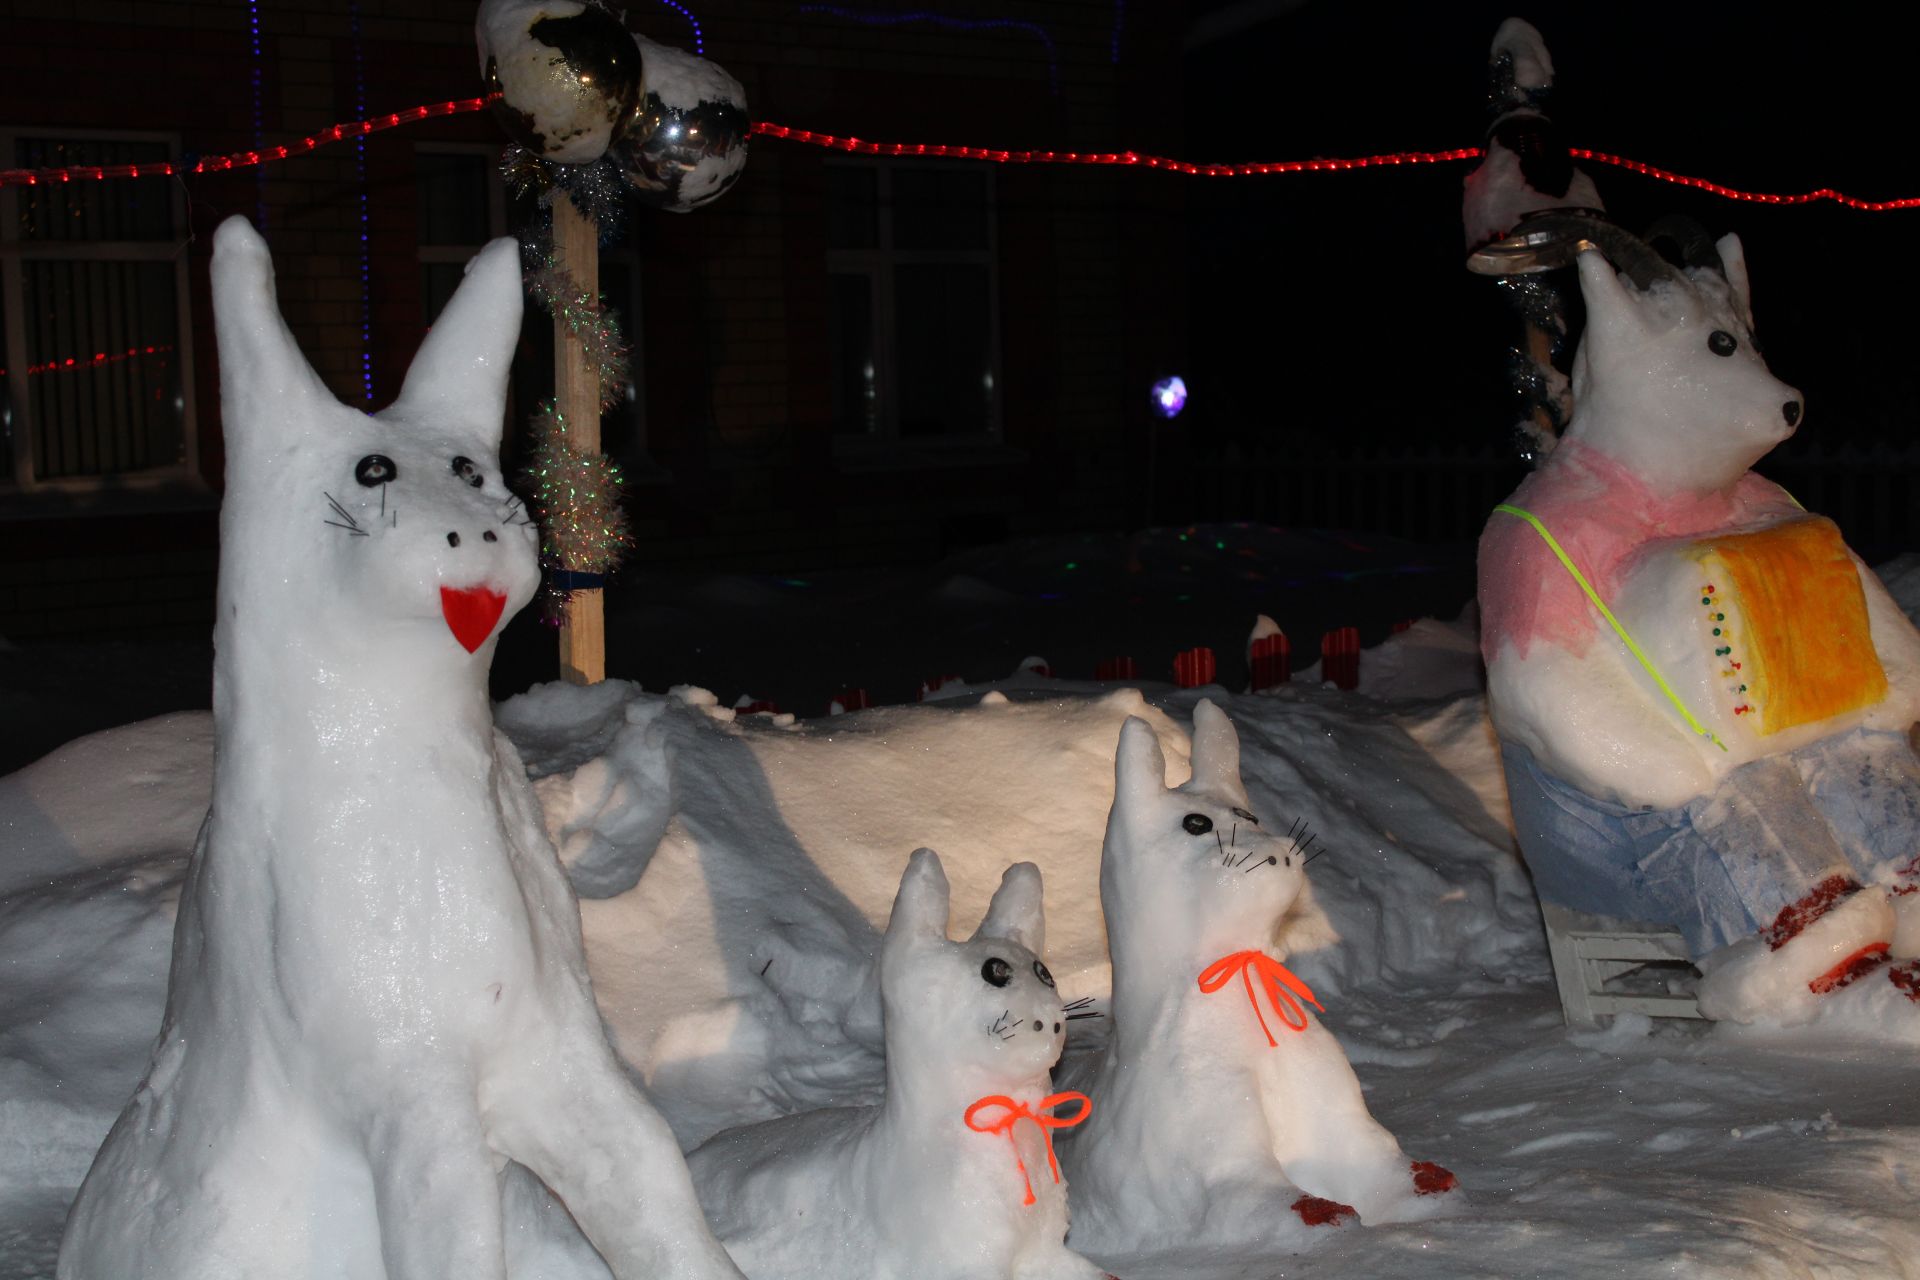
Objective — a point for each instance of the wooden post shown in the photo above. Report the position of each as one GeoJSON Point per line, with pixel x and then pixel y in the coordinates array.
{"type": "Point", "coordinates": [576, 394]}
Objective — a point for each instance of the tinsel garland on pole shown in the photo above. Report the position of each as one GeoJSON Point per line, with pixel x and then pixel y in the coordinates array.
{"type": "Point", "coordinates": [596, 327]}
{"type": "Point", "coordinates": [575, 496]}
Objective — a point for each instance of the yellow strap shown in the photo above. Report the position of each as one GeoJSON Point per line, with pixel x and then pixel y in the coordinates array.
{"type": "Point", "coordinates": [1633, 646]}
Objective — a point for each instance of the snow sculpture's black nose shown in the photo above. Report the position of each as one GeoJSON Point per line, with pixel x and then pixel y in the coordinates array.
{"type": "Point", "coordinates": [1791, 410]}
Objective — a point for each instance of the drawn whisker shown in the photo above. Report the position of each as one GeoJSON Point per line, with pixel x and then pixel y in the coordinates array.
{"type": "Point", "coordinates": [353, 529]}
{"type": "Point", "coordinates": [1081, 1003]}
{"type": "Point", "coordinates": [1087, 1013]}
{"type": "Point", "coordinates": [1316, 854]}
{"type": "Point", "coordinates": [341, 511]}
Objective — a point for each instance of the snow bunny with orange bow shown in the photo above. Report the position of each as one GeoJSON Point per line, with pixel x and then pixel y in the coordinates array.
{"type": "Point", "coordinates": [952, 1175]}
{"type": "Point", "coordinates": [1222, 1101]}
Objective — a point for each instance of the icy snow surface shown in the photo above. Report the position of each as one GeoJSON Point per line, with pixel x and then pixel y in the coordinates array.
{"type": "Point", "coordinates": [736, 874]}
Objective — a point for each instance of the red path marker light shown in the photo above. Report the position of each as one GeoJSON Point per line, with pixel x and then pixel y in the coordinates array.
{"type": "Point", "coordinates": [1340, 657]}
{"type": "Point", "coordinates": [1193, 668]}
{"type": "Point", "coordinates": [935, 684]}
{"type": "Point", "coordinates": [1116, 669]}
{"type": "Point", "coordinates": [1270, 660]}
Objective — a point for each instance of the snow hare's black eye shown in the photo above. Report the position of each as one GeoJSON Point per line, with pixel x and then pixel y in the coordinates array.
{"type": "Point", "coordinates": [1722, 343]}
{"type": "Point", "coordinates": [996, 972]}
{"type": "Point", "coordinates": [464, 468]}
{"type": "Point", "coordinates": [1040, 972]}
{"type": "Point", "coordinates": [1244, 816]}
{"type": "Point", "coordinates": [375, 469]}
{"type": "Point", "coordinates": [1197, 824]}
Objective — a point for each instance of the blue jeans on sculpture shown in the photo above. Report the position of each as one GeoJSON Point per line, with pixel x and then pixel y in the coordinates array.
{"type": "Point", "coordinates": [1722, 866]}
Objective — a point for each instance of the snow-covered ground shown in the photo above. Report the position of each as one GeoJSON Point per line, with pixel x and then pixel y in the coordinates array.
{"type": "Point", "coordinates": [735, 872]}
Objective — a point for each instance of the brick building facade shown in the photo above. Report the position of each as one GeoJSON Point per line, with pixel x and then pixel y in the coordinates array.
{"type": "Point", "coordinates": [839, 362]}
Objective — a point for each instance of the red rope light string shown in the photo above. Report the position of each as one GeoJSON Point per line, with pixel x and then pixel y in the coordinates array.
{"type": "Point", "coordinates": [1125, 158]}
{"type": "Point", "coordinates": [241, 159]}
{"type": "Point", "coordinates": [1734, 193]}
{"type": "Point", "coordinates": [860, 146]}
{"type": "Point", "coordinates": [90, 362]}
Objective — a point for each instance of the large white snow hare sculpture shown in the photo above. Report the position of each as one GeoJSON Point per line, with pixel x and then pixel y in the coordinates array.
{"type": "Point", "coordinates": [1222, 1102]}
{"type": "Point", "coordinates": [952, 1175]}
{"type": "Point", "coordinates": [378, 994]}
{"type": "Point", "coordinates": [1703, 695]}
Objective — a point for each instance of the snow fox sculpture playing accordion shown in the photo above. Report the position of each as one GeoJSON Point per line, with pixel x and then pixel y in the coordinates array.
{"type": "Point", "coordinates": [1703, 696]}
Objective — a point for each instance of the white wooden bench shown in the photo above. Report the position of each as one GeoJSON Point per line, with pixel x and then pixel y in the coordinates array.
{"type": "Point", "coordinates": [1589, 951]}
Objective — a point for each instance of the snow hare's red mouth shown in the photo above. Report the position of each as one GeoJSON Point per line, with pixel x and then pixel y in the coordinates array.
{"type": "Point", "coordinates": [471, 613]}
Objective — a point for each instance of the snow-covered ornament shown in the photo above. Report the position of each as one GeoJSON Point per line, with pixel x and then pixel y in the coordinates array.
{"type": "Point", "coordinates": [1223, 1101]}
{"type": "Point", "coordinates": [1702, 694]}
{"type": "Point", "coordinates": [689, 144]}
{"type": "Point", "coordinates": [567, 73]}
{"type": "Point", "coordinates": [378, 991]}
{"type": "Point", "coordinates": [953, 1175]}
{"type": "Point", "coordinates": [1525, 166]}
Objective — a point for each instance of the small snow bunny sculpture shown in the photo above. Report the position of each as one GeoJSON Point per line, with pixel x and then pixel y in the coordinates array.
{"type": "Point", "coordinates": [1222, 1101]}
{"type": "Point", "coordinates": [378, 994]}
{"type": "Point", "coordinates": [952, 1176]}
{"type": "Point", "coordinates": [1703, 695]}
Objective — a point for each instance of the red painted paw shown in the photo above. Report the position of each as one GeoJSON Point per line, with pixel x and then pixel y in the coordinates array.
{"type": "Point", "coordinates": [1316, 1212]}
{"type": "Point", "coordinates": [1854, 966]}
{"type": "Point", "coordinates": [1907, 978]}
{"type": "Point", "coordinates": [1430, 1179]}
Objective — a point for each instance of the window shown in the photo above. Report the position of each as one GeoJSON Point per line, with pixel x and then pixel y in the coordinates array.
{"type": "Point", "coordinates": [462, 205]}
{"type": "Point", "coordinates": [914, 301]}
{"type": "Point", "coordinates": [95, 363]}
{"type": "Point", "coordinates": [461, 208]}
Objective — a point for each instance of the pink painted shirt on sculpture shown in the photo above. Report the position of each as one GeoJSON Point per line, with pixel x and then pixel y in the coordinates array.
{"type": "Point", "coordinates": [1601, 514]}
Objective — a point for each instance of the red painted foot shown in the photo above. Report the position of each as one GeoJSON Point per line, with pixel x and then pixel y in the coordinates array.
{"type": "Point", "coordinates": [1907, 978]}
{"type": "Point", "coordinates": [1430, 1179]}
{"type": "Point", "coordinates": [1316, 1212]}
{"type": "Point", "coordinates": [1860, 962]}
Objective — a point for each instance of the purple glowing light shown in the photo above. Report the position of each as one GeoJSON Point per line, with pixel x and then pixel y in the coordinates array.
{"type": "Point", "coordinates": [1170, 396]}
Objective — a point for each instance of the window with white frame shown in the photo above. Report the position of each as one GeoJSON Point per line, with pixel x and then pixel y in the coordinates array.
{"type": "Point", "coordinates": [914, 301]}
{"type": "Point", "coordinates": [95, 355]}
{"type": "Point", "coordinates": [462, 205]}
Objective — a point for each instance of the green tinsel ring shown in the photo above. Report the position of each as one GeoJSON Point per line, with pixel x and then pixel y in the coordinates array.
{"type": "Point", "coordinates": [576, 498]}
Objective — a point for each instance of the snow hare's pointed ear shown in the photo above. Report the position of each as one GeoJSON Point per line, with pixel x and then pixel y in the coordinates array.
{"type": "Point", "coordinates": [920, 908]}
{"type": "Point", "coordinates": [1600, 285]}
{"type": "Point", "coordinates": [1016, 913]}
{"type": "Point", "coordinates": [1139, 768]}
{"type": "Point", "coordinates": [460, 371]}
{"type": "Point", "coordinates": [1733, 257]}
{"type": "Point", "coordinates": [264, 380]}
{"type": "Point", "coordinates": [1216, 755]}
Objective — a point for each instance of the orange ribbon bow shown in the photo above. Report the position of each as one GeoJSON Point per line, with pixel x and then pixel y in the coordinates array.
{"type": "Point", "coordinates": [1280, 982]}
{"type": "Point", "coordinates": [1015, 1112]}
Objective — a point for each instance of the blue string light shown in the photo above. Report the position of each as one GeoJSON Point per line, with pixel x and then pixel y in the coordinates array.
{"type": "Point", "coordinates": [259, 119]}
{"type": "Point", "coordinates": [874, 18]}
{"type": "Point", "coordinates": [1119, 20]}
{"type": "Point", "coordinates": [366, 248]}
{"type": "Point", "coordinates": [699, 39]}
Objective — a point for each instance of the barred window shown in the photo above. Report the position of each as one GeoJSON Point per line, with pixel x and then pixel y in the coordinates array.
{"type": "Point", "coordinates": [95, 363]}
{"type": "Point", "coordinates": [913, 318]}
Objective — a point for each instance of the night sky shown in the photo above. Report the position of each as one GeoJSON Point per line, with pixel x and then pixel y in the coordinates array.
{"type": "Point", "coordinates": [1321, 299]}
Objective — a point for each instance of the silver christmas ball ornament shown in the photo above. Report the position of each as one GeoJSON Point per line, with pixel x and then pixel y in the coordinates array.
{"type": "Point", "coordinates": [689, 142]}
{"type": "Point", "coordinates": [568, 75]}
